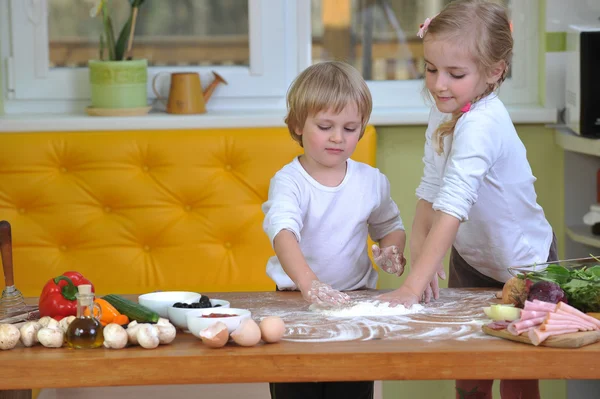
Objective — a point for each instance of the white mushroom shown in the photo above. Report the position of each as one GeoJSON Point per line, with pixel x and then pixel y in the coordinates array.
{"type": "Point", "coordinates": [9, 336]}
{"type": "Point", "coordinates": [51, 337]}
{"type": "Point", "coordinates": [115, 336]}
{"type": "Point", "coordinates": [45, 320]}
{"type": "Point", "coordinates": [29, 332]}
{"type": "Point", "coordinates": [52, 324]}
{"type": "Point", "coordinates": [147, 336]}
{"type": "Point", "coordinates": [132, 330]}
{"type": "Point", "coordinates": [166, 331]}
{"type": "Point", "coordinates": [64, 323]}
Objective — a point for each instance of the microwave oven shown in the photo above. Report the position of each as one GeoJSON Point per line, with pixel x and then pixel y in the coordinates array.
{"type": "Point", "coordinates": [582, 114]}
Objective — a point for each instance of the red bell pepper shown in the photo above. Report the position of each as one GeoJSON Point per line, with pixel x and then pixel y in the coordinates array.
{"type": "Point", "coordinates": [58, 298]}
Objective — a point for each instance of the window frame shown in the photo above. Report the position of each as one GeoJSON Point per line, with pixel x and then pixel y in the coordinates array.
{"type": "Point", "coordinates": [279, 50]}
{"type": "Point", "coordinates": [266, 77]}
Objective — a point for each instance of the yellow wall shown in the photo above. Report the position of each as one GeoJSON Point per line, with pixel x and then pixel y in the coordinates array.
{"type": "Point", "coordinates": [399, 156]}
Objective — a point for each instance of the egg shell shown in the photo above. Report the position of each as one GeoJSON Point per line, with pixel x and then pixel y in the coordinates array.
{"type": "Point", "coordinates": [247, 334]}
{"type": "Point", "coordinates": [215, 336]}
{"type": "Point", "coordinates": [272, 329]}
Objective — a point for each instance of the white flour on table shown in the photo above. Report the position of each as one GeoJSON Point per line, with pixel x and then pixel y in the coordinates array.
{"type": "Point", "coordinates": [365, 308]}
{"type": "Point", "coordinates": [457, 315]}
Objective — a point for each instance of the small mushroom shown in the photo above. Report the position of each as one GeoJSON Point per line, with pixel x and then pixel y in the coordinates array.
{"type": "Point", "coordinates": [29, 332]}
{"type": "Point", "coordinates": [132, 330]}
{"type": "Point", "coordinates": [147, 336]}
{"type": "Point", "coordinates": [166, 331]}
{"type": "Point", "coordinates": [115, 336]}
{"type": "Point", "coordinates": [45, 320]}
{"type": "Point", "coordinates": [9, 336]}
{"type": "Point", "coordinates": [51, 337]}
{"type": "Point", "coordinates": [64, 323]}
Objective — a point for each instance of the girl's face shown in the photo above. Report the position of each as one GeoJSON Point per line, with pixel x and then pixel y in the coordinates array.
{"type": "Point", "coordinates": [329, 139]}
{"type": "Point", "coordinates": [451, 75]}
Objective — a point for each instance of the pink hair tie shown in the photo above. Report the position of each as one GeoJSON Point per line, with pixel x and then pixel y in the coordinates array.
{"type": "Point", "coordinates": [423, 27]}
{"type": "Point", "coordinates": [466, 108]}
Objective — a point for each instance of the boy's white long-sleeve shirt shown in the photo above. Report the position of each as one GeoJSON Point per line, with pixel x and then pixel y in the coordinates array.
{"type": "Point", "coordinates": [483, 178]}
{"type": "Point", "coordinates": [331, 223]}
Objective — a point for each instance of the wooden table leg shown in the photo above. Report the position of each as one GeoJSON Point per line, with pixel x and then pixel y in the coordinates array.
{"type": "Point", "coordinates": [16, 394]}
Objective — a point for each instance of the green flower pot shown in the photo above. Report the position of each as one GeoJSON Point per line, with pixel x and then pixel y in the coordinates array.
{"type": "Point", "coordinates": [119, 84]}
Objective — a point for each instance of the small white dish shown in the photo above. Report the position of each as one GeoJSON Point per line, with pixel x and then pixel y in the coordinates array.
{"type": "Point", "coordinates": [197, 323]}
{"type": "Point", "coordinates": [177, 316]}
{"type": "Point", "coordinates": [161, 300]}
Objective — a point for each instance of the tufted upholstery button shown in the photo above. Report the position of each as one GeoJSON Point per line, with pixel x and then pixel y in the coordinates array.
{"type": "Point", "coordinates": [145, 168]}
{"type": "Point", "coordinates": [107, 209]}
{"type": "Point", "coordinates": [188, 208]}
{"type": "Point", "coordinates": [63, 169]}
{"type": "Point", "coordinates": [228, 167]}
{"type": "Point", "coordinates": [63, 248]}
{"type": "Point", "coordinates": [147, 248]}
{"type": "Point", "coordinates": [21, 210]}
{"type": "Point", "coordinates": [228, 245]}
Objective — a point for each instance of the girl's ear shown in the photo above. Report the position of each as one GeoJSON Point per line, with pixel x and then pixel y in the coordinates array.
{"type": "Point", "coordinates": [298, 131]}
{"type": "Point", "coordinates": [496, 72]}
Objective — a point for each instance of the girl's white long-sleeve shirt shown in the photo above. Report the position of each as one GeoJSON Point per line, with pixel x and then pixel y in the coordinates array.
{"type": "Point", "coordinates": [483, 178]}
{"type": "Point", "coordinates": [331, 223]}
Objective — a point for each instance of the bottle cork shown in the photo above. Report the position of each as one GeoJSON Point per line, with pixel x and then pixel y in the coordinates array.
{"type": "Point", "coordinates": [84, 289]}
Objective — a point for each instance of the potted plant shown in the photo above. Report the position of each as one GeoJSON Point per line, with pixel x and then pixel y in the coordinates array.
{"type": "Point", "coordinates": [117, 81]}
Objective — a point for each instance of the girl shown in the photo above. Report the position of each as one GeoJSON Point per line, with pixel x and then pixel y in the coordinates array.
{"type": "Point", "coordinates": [477, 193]}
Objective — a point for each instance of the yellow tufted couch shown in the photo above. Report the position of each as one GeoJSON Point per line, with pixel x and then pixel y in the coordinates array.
{"type": "Point", "coordinates": [138, 211]}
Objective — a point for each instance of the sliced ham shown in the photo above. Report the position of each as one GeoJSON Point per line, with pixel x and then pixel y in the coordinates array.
{"type": "Point", "coordinates": [539, 306]}
{"type": "Point", "coordinates": [532, 314]}
{"type": "Point", "coordinates": [559, 318]}
{"type": "Point", "coordinates": [536, 336]}
{"type": "Point", "coordinates": [576, 312]}
{"type": "Point", "coordinates": [498, 325]}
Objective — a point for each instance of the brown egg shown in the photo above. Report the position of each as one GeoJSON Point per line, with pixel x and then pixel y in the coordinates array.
{"type": "Point", "coordinates": [272, 329]}
{"type": "Point", "coordinates": [215, 336]}
{"type": "Point", "coordinates": [247, 334]}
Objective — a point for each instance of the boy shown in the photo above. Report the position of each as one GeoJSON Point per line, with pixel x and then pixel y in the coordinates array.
{"type": "Point", "coordinates": [322, 205]}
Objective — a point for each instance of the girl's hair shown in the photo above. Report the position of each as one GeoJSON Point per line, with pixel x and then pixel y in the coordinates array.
{"type": "Point", "coordinates": [326, 86]}
{"type": "Point", "coordinates": [484, 28]}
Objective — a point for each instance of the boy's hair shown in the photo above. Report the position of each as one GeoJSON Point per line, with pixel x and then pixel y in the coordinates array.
{"type": "Point", "coordinates": [483, 26]}
{"type": "Point", "coordinates": [326, 86]}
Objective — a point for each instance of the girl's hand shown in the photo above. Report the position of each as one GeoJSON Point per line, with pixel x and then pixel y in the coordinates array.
{"type": "Point", "coordinates": [389, 259]}
{"type": "Point", "coordinates": [401, 296]}
{"type": "Point", "coordinates": [433, 289]}
{"type": "Point", "coordinates": [323, 294]}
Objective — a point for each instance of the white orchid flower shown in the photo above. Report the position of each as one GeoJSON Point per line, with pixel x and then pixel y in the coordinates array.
{"type": "Point", "coordinates": [97, 8]}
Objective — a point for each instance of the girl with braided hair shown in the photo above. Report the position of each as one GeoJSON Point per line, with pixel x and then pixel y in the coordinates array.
{"type": "Point", "coordinates": [477, 195]}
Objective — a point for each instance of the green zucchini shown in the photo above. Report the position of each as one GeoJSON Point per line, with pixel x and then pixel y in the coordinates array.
{"type": "Point", "coordinates": [131, 309]}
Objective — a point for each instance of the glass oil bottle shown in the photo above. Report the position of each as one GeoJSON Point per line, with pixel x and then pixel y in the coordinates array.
{"type": "Point", "coordinates": [85, 331]}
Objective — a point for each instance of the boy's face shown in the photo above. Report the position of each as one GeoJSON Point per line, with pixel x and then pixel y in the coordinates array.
{"type": "Point", "coordinates": [329, 139]}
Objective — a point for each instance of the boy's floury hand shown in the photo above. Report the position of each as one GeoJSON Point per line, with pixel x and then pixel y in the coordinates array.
{"type": "Point", "coordinates": [389, 259]}
{"type": "Point", "coordinates": [323, 294]}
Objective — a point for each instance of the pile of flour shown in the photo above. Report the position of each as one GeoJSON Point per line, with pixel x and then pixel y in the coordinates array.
{"type": "Point", "coordinates": [365, 308]}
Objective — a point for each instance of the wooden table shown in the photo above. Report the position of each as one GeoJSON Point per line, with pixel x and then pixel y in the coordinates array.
{"type": "Point", "coordinates": [442, 342]}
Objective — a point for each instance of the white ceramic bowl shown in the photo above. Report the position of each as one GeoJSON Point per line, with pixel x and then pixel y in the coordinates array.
{"type": "Point", "coordinates": [160, 301]}
{"type": "Point", "coordinates": [197, 323]}
{"type": "Point", "coordinates": [177, 316]}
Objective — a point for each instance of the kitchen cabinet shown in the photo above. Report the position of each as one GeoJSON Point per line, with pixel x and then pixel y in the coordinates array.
{"type": "Point", "coordinates": [582, 162]}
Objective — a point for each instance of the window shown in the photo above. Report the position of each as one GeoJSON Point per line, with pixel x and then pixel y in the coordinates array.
{"type": "Point", "coordinates": [50, 41]}
{"type": "Point", "coordinates": [258, 46]}
{"type": "Point", "coordinates": [379, 38]}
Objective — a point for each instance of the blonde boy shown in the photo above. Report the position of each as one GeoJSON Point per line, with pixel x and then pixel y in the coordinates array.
{"type": "Point", "coordinates": [322, 205]}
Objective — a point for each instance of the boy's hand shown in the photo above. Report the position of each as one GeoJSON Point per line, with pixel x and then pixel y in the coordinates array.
{"type": "Point", "coordinates": [321, 293]}
{"type": "Point", "coordinates": [389, 259]}
{"type": "Point", "coordinates": [433, 289]}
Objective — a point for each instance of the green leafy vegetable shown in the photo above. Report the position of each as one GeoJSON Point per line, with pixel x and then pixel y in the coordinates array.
{"type": "Point", "coordinates": [581, 284]}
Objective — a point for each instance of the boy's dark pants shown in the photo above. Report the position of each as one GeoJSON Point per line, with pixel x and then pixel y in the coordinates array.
{"type": "Point", "coordinates": [322, 390]}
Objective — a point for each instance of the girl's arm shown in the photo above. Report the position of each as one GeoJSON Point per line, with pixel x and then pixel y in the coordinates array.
{"type": "Point", "coordinates": [295, 266]}
{"type": "Point", "coordinates": [420, 229]}
{"type": "Point", "coordinates": [436, 245]}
